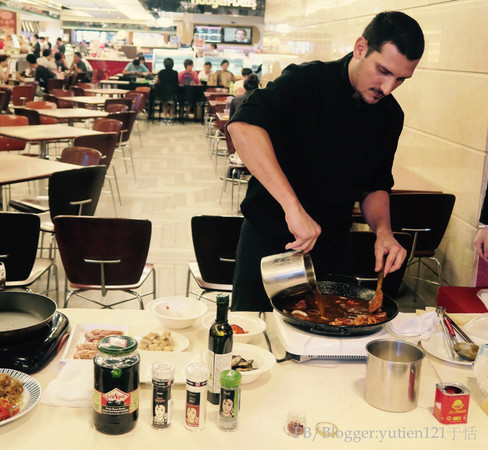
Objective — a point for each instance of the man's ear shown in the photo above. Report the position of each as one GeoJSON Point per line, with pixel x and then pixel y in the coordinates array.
{"type": "Point", "coordinates": [360, 47]}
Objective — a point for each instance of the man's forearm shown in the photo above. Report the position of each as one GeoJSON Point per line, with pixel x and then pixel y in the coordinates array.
{"type": "Point", "coordinates": [376, 211]}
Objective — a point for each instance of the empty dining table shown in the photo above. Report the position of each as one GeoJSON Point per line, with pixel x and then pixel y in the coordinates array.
{"type": "Point", "coordinates": [93, 100]}
{"type": "Point", "coordinates": [72, 114]}
{"type": "Point", "coordinates": [43, 134]}
{"type": "Point", "coordinates": [111, 92]}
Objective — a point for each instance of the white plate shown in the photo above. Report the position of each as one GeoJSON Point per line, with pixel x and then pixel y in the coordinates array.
{"type": "Point", "coordinates": [436, 346]}
{"type": "Point", "coordinates": [179, 359]}
{"type": "Point", "coordinates": [31, 394]}
{"type": "Point", "coordinates": [77, 336]}
{"type": "Point", "coordinates": [181, 342]}
{"type": "Point", "coordinates": [253, 325]}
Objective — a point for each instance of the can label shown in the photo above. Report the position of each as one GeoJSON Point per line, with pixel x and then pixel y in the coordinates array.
{"type": "Point", "coordinates": [192, 410]}
{"type": "Point", "coordinates": [229, 403]}
{"type": "Point", "coordinates": [217, 363]}
{"type": "Point", "coordinates": [451, 403]}
{"type": "Point", "coordinates": [115, 402]}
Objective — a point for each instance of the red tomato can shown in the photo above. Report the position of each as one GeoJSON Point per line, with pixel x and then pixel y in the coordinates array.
{"type": "Point", "coordinates": [451, 403]}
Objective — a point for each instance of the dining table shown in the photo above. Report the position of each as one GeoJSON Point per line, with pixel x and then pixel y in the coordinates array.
{"type": "Point", "coordinates": [329, 392]}
{"type": "Point", "coordinates": [72, 114]}
{"type": "Point", "coordinates": [111, 92]}
{"type": "Point", "coordinates": [16, 168]}
{"type": "Point", "coordinates": [92, 100]}
{"type": "Point", "coordinates": [43, 134]}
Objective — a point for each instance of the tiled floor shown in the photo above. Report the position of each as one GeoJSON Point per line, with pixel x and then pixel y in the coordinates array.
{"type": "Point", "coordinates": [175, 181]}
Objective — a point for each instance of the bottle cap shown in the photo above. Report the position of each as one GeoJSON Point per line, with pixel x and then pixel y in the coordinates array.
{"type": "Point", "coordinates": [117, 345]}
{"type": "Point", "coordinates": [162, 370]}
{"type": "Point", "coordinates": [230, 378]}
{"type": "Point", "coordinates": [196, 372]}
{"type": "Point", "coordinates": [222, 299]}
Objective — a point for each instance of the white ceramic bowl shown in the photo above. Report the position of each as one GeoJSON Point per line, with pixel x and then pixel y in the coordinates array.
{"type": "Point", "coordinates": [263, 361]}
{"type": "Point", "coordinates": [177, 312]}
{"type": "Point", "coordinates": [253, 325]}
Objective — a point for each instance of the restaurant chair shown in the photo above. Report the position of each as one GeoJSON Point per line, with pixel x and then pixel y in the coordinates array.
{"type": "Point", "coordinates": [73, 192]}
{"type": "Point", "coordinates": [118, 101]}
{"type": "Point", "coordinates": [44, 105]}
{"type": "Point", "coordinates": [364, 261]}
{"type": "Point", "coordinates": [127, 118]}
{"type": "Point", "coordinates": [215, 241]}
{"type": "Point", "coordinates": [12, 120]}
{"type": "Point", "coordinates": [217, 138]}
{"type": "Point", "coordinates": [81, 156]}
{"type": "Point", "coordinates": [425, 216]}
{"type": "Point", "coordinates": [7, 91]}
{"type": "Point", "coordinates": [192, 99]}
{"type": "Point", "coordinates": [166, 97]}
{"type": "Point", "coordinates": [18, 248]}
{"type": "Point", "coordinates": [78, 91]}
{"type": "Point", "coordinates": [143, 114]}
{"type": "Point", "coordinates": [63, 93]}
{"type": "Point", "coordinates": [104, 254]}
{"type": "Point", "coordinates": [116, 107]}
{"type": "Point", "coordinates": [235, 172]}
{"type": "Point", "coordinates": [105, 145]}
{"type": "Point", "coordinates": [137, 107]}
{"type": "Point", "coordinates": [54, 83]}
{"type": "Point", "coordinates": [32, 115]}
{"type": "Point", "coordinates": [22, 94]}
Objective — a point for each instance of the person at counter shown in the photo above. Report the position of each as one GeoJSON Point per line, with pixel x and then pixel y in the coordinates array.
{"type": "Point", "coordinates": [318, 138]}
{"type": "Point", "coordinates": [224, 76]}
{"type": "Point", "coordinates": [239, 88]}
{"type": "Point", "coordinates": [78, 65]}
{"type": "Point", "coordinates": [188, 76]}
{"type": "Point", "coordinates": [166, 88]}
{"type": "Point", "coordinates": [251, 83]}
{"type": "Point", "coordinates": [60, 47]}
{"type": "Point", "coordinates": [481, 240]}
{"type": "Point", "coordinates": [206, 74]}
{"type": "Point", "coordinates": [4, 69]}
{"type": "Point", "coordinates": [41, 74]}
{"type": "Point", "coordinates": [36, 46]}
{"type": "Point", "coordinates": [142, 60]}
{"type": "Point", "coordinates": [135, 68]}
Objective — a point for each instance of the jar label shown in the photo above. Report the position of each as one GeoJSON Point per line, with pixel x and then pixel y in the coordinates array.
{"type": "Point", "coordinates": [229, 403]}
{"type": "Point", "coordinates": [217, 363]}
{"type": "Point", "coordinates": [115, 402]}
{"type": "Point", "coordinates": [192, 410]}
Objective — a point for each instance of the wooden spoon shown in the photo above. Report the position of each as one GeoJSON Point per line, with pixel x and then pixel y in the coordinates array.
{"type": "Point", "coordinates": [377, 300]}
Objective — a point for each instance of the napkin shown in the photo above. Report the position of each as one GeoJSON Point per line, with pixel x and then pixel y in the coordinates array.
{"type": "Point", "coordinates": [483, 296]}
{"type": "Point", "coordinates": [72, 387]}
{"type": "Point", "coordinates": [415, 328]}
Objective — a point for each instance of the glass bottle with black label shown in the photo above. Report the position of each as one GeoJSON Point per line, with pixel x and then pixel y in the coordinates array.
{"type": "Point", "coordinates": [220, 348]}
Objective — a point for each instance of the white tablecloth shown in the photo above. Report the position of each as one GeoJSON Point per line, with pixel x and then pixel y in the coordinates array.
{"type": "Point", "coordinates": [325, 391]}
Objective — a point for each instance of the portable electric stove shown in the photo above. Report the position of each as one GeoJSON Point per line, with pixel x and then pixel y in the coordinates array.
{"type": "Point", "coordinates": [35, 352]}
{"type": "Point", "coordinates": [301, 346]}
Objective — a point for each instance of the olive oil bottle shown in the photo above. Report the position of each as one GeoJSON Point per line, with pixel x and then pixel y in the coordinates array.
{"type": "Point", "coordinates": [220, 348]}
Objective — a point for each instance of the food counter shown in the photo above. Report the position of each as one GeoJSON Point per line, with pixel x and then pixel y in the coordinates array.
{"type": "Point", "coordinates": [325, 391]}
{"type": "Point", "coordinates": [111, 66]}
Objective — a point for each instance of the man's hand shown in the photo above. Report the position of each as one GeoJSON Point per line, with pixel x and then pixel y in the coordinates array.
{"type": "Point", "coordinates": [304, 228]}
{"type": "Point", "coordinates": [481, 243]}
{"type": "Point", "coordinates": [386, 244]}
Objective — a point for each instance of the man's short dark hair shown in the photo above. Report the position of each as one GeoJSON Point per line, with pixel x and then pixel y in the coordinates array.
{"type": "Point", "coordinates": [187, 62]}
{"type": "Point", "coordinates": [58, 56]}
{"type": "Point", "coordinates": [42, 38]}
{"type": "Point", "coordinates": [46, 52]}
{"type": "Point", "coordinates": [245, 72]}
{"type": "Point", "coordinates": [136, 62]}
{"type": "Point", "coordinates": [59, 40]}
{"type": "Point", "coordinates": [78, 54]}
{"type": "Point", "coordinates": [213, 45]}
{"type": "Point", "coordinates": [31, 58]}
{"type": "Point", "coordinates": [3, 58]}
{"type": "Point", "coordinates": [36, 36]}
{"type": "Point", "coordinates": [208, 63]}
{"type": "Point", "coordinates": [399, 29]}
{"type": "Point", "coordinates": [251, 83]}
{"type": "Point", "coordinates": [224, 61]}
{"type": "Point", "coordinates": [168, 63]}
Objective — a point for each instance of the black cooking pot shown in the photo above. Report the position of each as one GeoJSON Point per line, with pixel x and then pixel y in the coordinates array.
{"type": "Point", "coordinates": [345, 289]}
{"type": "Point", "coordinates": [23, 315]}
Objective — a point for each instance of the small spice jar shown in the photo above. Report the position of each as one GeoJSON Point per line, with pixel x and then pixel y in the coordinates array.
{"type": "Point", "coordinates": [116, 385]}
{"type": "Point", "coordinates": [196, 375]}
{"type": "Point", "coordinates": [163, 374]}
{"type": "Point", "coordinates": [230, 400]}
{"type": "Point", "coordinates": [295, 423]}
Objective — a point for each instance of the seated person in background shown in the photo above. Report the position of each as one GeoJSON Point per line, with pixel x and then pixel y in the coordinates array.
{"type": "Point", "coordinates": [41, 74]}
{"type": "Point", "coordinates": [46, 60]}
{"type": "Point", "coordinates": [213, 49]}
{"type": "Point", "coordinates": [60, 62]}
{"type": "Point", "coordinates": [78, 65]}
{"type": "Point", "coordinates": [224, 76]}
{"type": "Point", "coordinates": [206, 73]}
{"type": "Point", "coordinates": [188, 76]}
{"type": "Point", "coordinates": [135, 68]}
{"type": "Point", "coordinates": [142, 60]}
{"type": "Point", "coordinates": [60, 47]}
{"type": "Point", "coordinates": [251, 83]}
{"type": "Point", "coordinates": [239, 84]}
{"type": "Point", "coordinates": [166, 87]}
{"type": "Point", "coordinates": [4, 69]}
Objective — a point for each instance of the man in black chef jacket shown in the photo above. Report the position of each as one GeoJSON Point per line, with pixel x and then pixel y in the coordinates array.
{"type": "Point", "coordinates": [318, 138]}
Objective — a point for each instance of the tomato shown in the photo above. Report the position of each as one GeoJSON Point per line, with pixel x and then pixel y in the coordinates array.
{"type": "Point", "coordinates": [237, 329]}
{"type": "Point", "coordinates": [7, 410]}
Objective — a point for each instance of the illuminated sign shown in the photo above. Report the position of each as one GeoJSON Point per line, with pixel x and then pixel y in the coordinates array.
{"type": "Point", "coordinates": [230, 3]}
